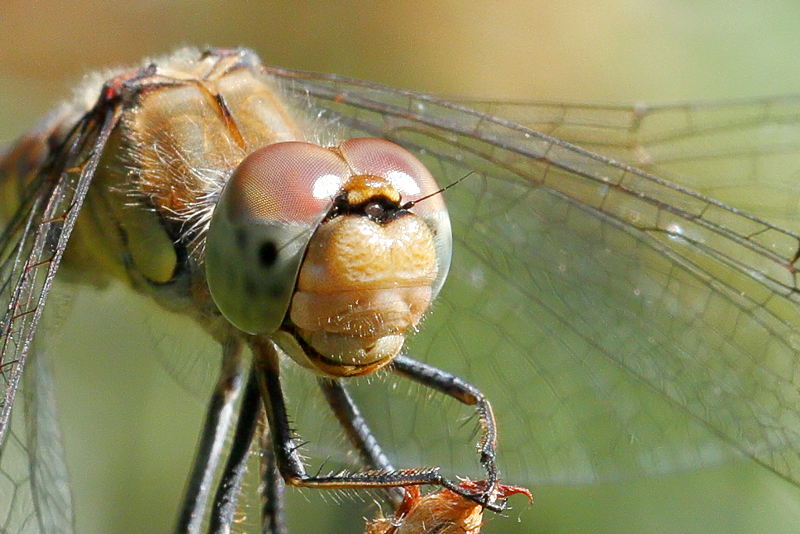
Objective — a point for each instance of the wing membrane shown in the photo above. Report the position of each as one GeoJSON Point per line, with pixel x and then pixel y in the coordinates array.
{"type": "Point", "coordinates": [745, 153]}
{"type": "Point", "coordinates": [31, 249]}
{"type": "Point", "coordinates": [627, 324]}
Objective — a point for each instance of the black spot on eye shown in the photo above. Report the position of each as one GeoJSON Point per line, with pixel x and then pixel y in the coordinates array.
{"type": "Point", "coordinates": [267, 254]}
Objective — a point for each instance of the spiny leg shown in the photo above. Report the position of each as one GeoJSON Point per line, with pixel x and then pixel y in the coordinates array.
{"type": "Point", "coordinates": [272, 492]}
{"type": "Point", "coordinates": [354, 424]}
{"type": "Point", "coordinates": [224, 507]}
{"type": "Point", "coordinates": [229, 488]}
{"type": "Point", "coordinates": [291, 465]}
{"type": "Point", "coordinates": [358, 431]}
{"type": "Point", "coordinates": [463, 391]}
{"type": "Point", "coordinates": [219, 415]}
{"type": "Point", "coordinates": [288, 459]}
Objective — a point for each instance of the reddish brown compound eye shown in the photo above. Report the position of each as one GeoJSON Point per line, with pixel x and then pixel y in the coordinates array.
{"type": "Point", "coordinates": [261, 226]}
{"type": "Point", "coordinates": [273, 204]}
{"type": "Point", "coordinates": [291, 182]}
{"type": "Point", "coordinates": [405, 172]}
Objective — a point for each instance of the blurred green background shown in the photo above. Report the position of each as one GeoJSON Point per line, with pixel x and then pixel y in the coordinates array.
{"type": "Point", "coordinates": [130, 428]}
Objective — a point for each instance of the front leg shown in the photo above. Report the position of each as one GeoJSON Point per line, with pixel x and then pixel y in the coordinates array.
{"type": "Point", "coordinates": [291, 465]}
{"type": "Point", "coordinates": [286, 446]}
{"type": "Point", "coordinates": [463, 391]}
{"type": "Point", "coordinates": [358, 431]}
{"type": "Point", "coordinates": [354, 424]}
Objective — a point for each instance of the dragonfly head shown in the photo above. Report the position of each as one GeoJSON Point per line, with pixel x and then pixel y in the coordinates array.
{"type": "Point", "coordinates": [321, 241]}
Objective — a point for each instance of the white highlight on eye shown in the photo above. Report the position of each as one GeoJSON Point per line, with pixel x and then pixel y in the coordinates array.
{"type": "Point", "coordinates": [326, 186]}
{"type": "Point", "coordinates": [403, 182]}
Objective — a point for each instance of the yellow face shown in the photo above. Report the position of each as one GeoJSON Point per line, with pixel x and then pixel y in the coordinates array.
{"type": "Point", "coordinates": [364, 282]}
{"type": "Point", "coordinates": [338, 250]}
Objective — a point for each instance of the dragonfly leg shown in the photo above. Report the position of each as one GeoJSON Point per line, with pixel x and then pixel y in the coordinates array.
{"type": "Point", "coordinates": [219, 416]}
{"type": "Point", "coordinates": [357, 430]}
{"type": "Point", "coordinates": [463, 391]}
{"type": "Point", "coordinates": [272, 508]}
{"type": "Point", "coordinates": [224, 507]}
{"type": "Point", "coordinates": [286, 445]}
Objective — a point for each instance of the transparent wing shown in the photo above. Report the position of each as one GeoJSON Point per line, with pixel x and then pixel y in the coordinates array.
{"type": "Point", "coordinates": [622, 324]}
{"type": "Point", "coordinates": [33, 492]}
{"type": "Point", "coordinates": [33, 475]}
{"type": "Point", "coordinates": [745, 153]}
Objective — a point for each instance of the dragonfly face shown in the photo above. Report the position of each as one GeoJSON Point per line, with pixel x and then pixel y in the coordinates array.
{"type": "Point", "coordinates": [369, 262]}
{"type": "Point", "coordinates": [622, 322]}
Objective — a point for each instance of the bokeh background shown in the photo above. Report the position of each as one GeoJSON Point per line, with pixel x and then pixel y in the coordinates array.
{"type": "Point", "coordinates": [130, 428]}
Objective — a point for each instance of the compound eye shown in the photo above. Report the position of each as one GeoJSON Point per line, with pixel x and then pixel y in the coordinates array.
{"type": "Point", "coordinates": [404, 171]}
{"type": "Point", "coordinates": [261, 226]}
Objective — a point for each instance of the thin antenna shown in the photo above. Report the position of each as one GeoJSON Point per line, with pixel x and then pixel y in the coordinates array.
{"type": "Point", "coordinates": [411, 203]}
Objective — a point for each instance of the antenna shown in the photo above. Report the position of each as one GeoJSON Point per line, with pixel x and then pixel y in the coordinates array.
{"type": "Point", "coordinates": [411, 203]}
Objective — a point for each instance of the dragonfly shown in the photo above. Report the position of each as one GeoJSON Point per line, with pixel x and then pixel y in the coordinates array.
{"type": "Point", "coordinates": [625, 314]}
